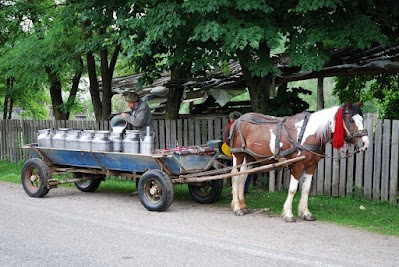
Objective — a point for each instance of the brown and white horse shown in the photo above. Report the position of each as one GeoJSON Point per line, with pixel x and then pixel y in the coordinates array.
{"type": "Point", "coordinates": [258, 137]}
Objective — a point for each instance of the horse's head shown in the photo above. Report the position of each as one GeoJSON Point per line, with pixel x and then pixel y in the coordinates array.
{"type": "Point", "coordinates": [349, 127]}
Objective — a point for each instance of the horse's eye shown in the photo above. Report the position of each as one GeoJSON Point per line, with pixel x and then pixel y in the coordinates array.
{"type": "Point", "coordinates": [351, 120]}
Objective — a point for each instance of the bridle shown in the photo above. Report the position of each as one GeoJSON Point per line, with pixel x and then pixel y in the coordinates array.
{"type": "Point", "coordinates": [351, 135]}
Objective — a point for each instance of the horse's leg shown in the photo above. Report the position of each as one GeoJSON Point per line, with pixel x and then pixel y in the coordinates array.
{"type": "Point", "coordinates": [238, 202]}
{"type": "Point", "coordinates": [303, 210]}
{"type": "Point", "coordinates": [287, 212]}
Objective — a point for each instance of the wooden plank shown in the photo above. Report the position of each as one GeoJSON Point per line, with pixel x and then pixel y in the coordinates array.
{"type": "Point", "coordinates": [280, 180]}
{"type": "Point", "coordinates": [385, 160]}
{"type": "Point", "coordinates": [328, 170]}
{"type": "Point", "coordinates": [320, 178]}
{"type": "Point", "coordinates": [173, 135]}
{"type": "Point", "coordinates": [191, 128]}
{"type": "Point", "coordinates": [349, 175]}
{"type": "Point", "coordinates": [162, 142]}
{"type": "Point", "coordinates": [335, 174]}
{"type": "Point", "coordinates": [368, 162]}
{"type": "Point", "coordinates": [394, 173]}
{"type": "Point", "coordinates": [342, 175]}
{"type": "Point", "coordinates": [218, 129]}
{"type": "Point", "coordinates": [272, 181]}
{"type": "Point", "coordinates": [186, 133]}
{"type": "Point", "coordinates": [313, 186]}
{"type": "Point", "coordinates": [359, 170]}
{"type": "Point", "coordinates": [197, 132]}
{"type": "Point", "coordinates": [211, 133]}
{"type": "Point", "coordinates": [156, 126]}
{"type": "Point", "coordinates": [377, 160]}
{"type": "Point", "coordinates": [179, 130]}
{"type": "Point", "coordinates": [286, 177]}
{"type": "Point", "coordinates": [204, 132]}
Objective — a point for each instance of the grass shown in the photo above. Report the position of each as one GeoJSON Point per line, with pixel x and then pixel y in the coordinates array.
{"type": "Point", "coordinates": [373, 216]}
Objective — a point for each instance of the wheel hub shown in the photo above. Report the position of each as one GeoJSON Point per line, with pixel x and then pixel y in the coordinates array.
{"type": "Point", "coordinates": [34, 178]}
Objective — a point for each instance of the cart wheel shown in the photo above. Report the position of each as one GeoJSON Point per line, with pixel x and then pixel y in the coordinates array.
{"type": "Point", "coordinates": [34, 176]}
{"type": "Point", "coordinates": [88, 185]}
{"type": "Point", "coordinates": [208, 192]}
{"type": "Point", "coordinates": [155, 190]}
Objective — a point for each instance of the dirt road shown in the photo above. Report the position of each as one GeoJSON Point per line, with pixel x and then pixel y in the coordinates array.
{"type": "Point", "coordinates": [71, 228]}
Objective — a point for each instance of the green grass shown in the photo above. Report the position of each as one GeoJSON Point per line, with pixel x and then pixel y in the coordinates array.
{"type": "Point", "coordinates": [373, 216]}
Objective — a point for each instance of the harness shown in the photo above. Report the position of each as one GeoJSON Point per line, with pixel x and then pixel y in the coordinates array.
{"type": "Point", "coordinates": [260, 119]}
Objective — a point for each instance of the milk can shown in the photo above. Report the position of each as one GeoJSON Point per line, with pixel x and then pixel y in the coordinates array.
{"type": "Point", "coordinates": [85, 139]}
{"type": "Point", "coordinates": [72, 139]}
{"type": "Point", "coordinates": [58, 140]}
{"type": "Point", "coordinates": [131, 143]}
{"type": "Point", "coordinates": [147, 142]}
{"type": "Point", "coordinates": [44, 138]}
{"type": "Point", "coordinates": [116, 140]}
{"type": "Point", "coordinates": [101, 141]}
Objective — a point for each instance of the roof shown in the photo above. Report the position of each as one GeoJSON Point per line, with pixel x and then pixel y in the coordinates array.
{"type": "Point", "coordinates": [223, 86]}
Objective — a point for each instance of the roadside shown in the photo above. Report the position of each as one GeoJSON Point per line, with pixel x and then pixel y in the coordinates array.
{"type": "Point", "coordinates": [70, 221]}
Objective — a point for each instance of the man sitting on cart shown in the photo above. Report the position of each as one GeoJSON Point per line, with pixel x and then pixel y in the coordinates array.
{"type": "Point", "coordinates": [140, 115]}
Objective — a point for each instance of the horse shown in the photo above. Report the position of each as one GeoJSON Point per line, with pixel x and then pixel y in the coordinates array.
{"type": "Point", "coordinates": [262, 139]}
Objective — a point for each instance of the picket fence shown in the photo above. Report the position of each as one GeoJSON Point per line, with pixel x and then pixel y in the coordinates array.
{"type": "Point", "coordinates": [373, 174]}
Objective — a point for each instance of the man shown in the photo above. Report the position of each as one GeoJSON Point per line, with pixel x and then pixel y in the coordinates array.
{"type": "Point", "coordinates": [140, 116]}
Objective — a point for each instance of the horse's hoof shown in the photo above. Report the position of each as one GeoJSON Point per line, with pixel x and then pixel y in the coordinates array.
{"type": "Point", "coordinates": [245, 210]}
{"type": "Point", "coordinates": [309, 217]}
{"type": "Point", "coordinates": [239, 213]}
{"type": "Point", "coordinates": [289, 219]}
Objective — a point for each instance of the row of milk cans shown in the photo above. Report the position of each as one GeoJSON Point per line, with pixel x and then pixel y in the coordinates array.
{"type": "Point", "coordinates": [129, 142]}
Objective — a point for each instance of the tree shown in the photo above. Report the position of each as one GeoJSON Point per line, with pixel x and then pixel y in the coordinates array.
{"type": "Point", "coordinates": [384, 88]}
{"type": "Point", "coordinates": [308, 32]}
{"type": "Point", "coordinates": [41, 53]}
{"type": "Point", "coordinates": [98, 19]}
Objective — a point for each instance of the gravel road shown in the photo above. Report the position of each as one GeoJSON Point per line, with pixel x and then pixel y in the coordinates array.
{"type": "Point", "coordinates": [72, 228]}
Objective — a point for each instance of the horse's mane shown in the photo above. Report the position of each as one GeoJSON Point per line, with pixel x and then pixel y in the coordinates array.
{"type": "Point", "coordinates": [323, 121]}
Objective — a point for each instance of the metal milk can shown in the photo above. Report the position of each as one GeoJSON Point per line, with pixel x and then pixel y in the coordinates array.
{"type": "Point", "coordinates": [44, 138]}
{"type": "Point", "coordinates": [147, 142]}
{"type": "Point", "coordinates": [85, 139]}
{"type": "Point", "coordinates": [58, 140]}
{"type": "Point", "coordinates": [116, 140]}
{"type": "Point", "coordinates": [72, 139]}
{"type": "Point", "coordinates": [101, 141]}
{"type": "Point", "coordinates": [131, 143]}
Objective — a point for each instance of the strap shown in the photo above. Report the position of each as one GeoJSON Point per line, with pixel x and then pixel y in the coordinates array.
{"type": "Point", "coordinates": [278, 135]}
{"type": "Point", "coordinates": [305, 123]}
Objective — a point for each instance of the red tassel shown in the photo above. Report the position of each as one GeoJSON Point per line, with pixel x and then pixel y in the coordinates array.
{"type": "Point", "coordinates": [339, 139]}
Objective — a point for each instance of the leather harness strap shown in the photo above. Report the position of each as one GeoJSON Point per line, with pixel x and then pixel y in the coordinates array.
{"type": "Point", "coordinates": [280, 126]}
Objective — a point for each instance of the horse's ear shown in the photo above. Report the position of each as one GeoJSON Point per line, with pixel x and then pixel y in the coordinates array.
{"type": "Point", "coordinates": [359, 104]}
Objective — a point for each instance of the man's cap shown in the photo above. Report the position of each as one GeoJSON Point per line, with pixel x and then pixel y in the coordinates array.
{"type": "Point", "coordinates": [132, 97]}
{"type": "Point", "coordinates": [234, 115]}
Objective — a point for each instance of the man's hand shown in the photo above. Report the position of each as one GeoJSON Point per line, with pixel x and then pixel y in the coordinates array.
{"type": "Point", "coordinates": [125, 115]}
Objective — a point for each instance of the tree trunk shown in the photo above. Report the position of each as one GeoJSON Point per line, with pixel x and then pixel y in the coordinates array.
{"type": "Point", "coordinates": [56, 95]}
{"type": "Point", "coordinates": [258, 87]}
{"type": "Point", "coordinates": [178, 76]}
{"type": "Point", "coordinates": [107, 71]}
{"type": "Point", "coordinates": [8, 100]}
{"type": "Point", "coordinates": [10, 106]}
{"type": "Point", "coordinates": [320, 94]}
{"type": "Point", "coordinates": [94, 87]}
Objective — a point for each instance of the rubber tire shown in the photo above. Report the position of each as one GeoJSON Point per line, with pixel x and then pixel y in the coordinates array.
{"type": "Point", "coordinates": [203, 195]}
{"type": "Point", "coordinates": [39, 167]}
{"type": "Point", "coordinates": [147, 182]}
{"type": "Point", "coordinates": [89, 185]}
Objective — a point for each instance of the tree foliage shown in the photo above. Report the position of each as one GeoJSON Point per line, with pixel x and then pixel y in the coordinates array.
{"type": "Point", "coordinates": [48, 44]}
{"type": "Point", "coordinates": [383, 88]}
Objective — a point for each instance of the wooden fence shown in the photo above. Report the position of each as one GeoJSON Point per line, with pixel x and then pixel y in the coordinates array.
{"type": "Point", "coordinates": [373, 173]}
